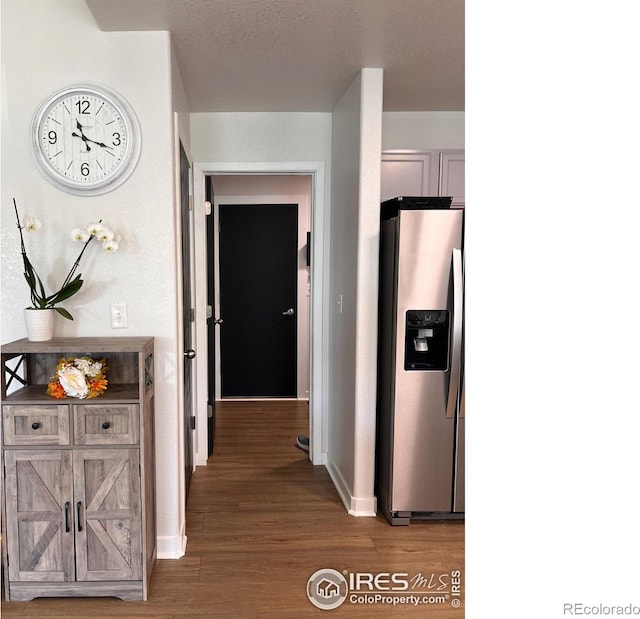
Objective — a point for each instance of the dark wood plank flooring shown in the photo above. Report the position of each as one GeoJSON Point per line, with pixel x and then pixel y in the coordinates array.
{"type": "Point", "coordinates": [261, 519]}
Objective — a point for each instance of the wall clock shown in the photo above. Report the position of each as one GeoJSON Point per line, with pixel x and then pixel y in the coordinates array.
{"type": "Point", "coordinates": [86, 139]}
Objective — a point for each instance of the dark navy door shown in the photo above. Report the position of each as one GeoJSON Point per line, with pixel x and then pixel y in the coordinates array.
{"type": "Point", "coordinates": [258, 299]}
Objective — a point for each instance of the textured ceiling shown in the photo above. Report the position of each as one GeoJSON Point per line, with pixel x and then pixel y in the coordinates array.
{"type": "Point", "coordinates": [301, 55]}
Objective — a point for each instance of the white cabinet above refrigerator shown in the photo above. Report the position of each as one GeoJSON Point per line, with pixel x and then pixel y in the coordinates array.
{"type": "Point", "coordinates": [423, 173]}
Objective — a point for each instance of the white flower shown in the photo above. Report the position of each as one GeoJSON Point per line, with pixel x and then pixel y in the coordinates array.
{"type": "Point", "coordinates": [73, 382]}
{"type": "Point", "coordinates": [88, 367]}
{"type": "Point", "coordinates": [94, 229]}
{"type": "Point", "coordinates": [31, 224]}
{"type": "Point", "coordinates": [105, 235]}
{"type": "Point", "coordinates": [80, 235]}
{"type": "Point", "coordinates": [110, 246]}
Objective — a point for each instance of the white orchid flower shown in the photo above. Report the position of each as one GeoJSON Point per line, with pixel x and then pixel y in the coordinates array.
{"type": "Point", "coordinates": [110, 246]}
{"type": "Point", "coordinates": [94, 229]}
{"type": "Point", "coordinates": [31, 224]}
{"type": "Point", "coordinates": [80, 235]}
{"type": "Point", "coordinates": [105, 235]}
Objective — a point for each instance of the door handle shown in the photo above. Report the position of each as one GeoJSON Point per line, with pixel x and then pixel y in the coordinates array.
{"type": "Point", "coordinates": [190, 354]}
{"type": "Point", "coordinates": [456, 340]}
{"type": "Point", "coordinates": [79, 508]}
{"type": "Point", "coordinates": [289, 312]}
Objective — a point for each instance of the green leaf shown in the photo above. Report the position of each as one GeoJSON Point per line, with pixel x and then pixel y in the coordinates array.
{"type": "Point", "coordinates": [63, 312]}
{"type": "Point", "coordinates": [64, 293]}
{"type": "Point", "coordinates": [34, 282]}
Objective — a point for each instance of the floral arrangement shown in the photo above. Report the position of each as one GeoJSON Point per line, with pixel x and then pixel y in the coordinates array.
{"type": "Point", "coordinates": [78, 377]}
{"type": "Point", "coordinates": [72, 283]}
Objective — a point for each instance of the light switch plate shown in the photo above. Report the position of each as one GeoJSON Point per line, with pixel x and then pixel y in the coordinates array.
{"type": "Point", "coordinates": [119, 316]}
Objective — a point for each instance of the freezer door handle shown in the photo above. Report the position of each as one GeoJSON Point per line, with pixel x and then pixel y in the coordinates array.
{"type": "Point", "coordinates": [456, 340]}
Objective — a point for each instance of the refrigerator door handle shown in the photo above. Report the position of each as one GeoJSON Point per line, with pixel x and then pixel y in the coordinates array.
{"type": "Point", "coordinates": [456, 340]}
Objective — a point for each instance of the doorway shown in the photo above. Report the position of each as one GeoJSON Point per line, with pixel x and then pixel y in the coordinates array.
{"type": "Point", "coordinates": [239, 199]}
{"type": "Point", "coordinates": [258, 257]}
{"type": "Point", "coordinates": [316, 299]}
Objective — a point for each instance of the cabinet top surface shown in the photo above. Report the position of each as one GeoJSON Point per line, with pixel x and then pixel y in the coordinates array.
{"type": "Point", "coordinates": [77, 344]}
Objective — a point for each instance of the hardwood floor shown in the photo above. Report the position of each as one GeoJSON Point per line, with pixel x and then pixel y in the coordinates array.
{"type": "Point", "coordinates": [261, 520]}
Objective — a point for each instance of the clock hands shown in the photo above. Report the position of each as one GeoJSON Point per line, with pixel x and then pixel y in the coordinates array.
{"type": "Point", "coordinates": [85, 139]}
{"type": "Point", "coordinates": [99, 143]}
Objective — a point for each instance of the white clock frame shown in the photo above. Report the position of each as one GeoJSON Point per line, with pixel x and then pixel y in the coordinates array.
{"type": "Point", "coordinates": [129, 136]}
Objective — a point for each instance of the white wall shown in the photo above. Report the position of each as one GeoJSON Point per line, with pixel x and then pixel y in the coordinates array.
{"type": "Point", "coordinates": [422, 130]}
{"type": "Point", "coordinates": [228, 136]}
{"type": "Point", "coordinates": [180, 104]}
{"type": "Point", "coordinates": [355, 227]}
{"type": "Point", "coordinates": [36, 63]}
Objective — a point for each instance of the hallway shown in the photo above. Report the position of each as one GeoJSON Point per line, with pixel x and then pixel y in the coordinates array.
{"type": "Point", "coordinates": [261, 520]}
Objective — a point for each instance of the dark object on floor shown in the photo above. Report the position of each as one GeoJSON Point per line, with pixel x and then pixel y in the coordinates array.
{"type": "Point", "coordinates": [302, 441]}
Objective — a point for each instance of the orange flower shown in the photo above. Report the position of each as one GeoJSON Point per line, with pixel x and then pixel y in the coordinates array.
{"type": "Point", "coordinates": [55, 390]}
{"type": "Point", "coordinates": [96, 387]}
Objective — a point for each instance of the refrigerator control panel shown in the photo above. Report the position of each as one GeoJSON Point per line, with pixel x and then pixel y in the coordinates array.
{"type": "Point", "coordinates": [426, 340]}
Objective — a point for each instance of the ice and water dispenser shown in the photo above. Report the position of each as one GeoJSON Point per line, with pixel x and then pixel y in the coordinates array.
{"type": "Point", "coordinates": [426, 340]}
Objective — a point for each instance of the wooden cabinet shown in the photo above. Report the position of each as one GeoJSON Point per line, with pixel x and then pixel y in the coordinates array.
{"type": "Point", "coordinates": [423, 173]}
{"type": "Point", "coordinates": [79, 491]}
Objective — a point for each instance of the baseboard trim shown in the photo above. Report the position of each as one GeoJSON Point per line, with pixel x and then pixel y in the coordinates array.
{"type": "Point", "coordinates": [259, 398]}
{"type": "Point", "coordinates": [171, 546]}
{"type": "Point", "coordinates": [356, 506]}
{"type": "Point", "coordinates": [319, 459]}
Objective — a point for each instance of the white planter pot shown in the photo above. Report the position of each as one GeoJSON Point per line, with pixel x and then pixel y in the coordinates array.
{"type": "Point", "coordinates": [39, 324]}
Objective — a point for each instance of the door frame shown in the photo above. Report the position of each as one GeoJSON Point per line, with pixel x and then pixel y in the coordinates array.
{"type": "Point", "coordinates": [303, 330]}
{"type": "Point", "coordinates": [175, 547]}
{"type": "Point", "coordinates": [187, 280]}
{"type": "Point", "coordinates": [319, 320]}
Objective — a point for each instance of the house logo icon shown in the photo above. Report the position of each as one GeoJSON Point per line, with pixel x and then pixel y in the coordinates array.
{"type": "Point", "coordinates": [327, 589]}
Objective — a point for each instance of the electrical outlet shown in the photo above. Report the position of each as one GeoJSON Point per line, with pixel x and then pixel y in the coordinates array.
{"type": "Point", "coordinates": [119, 316]}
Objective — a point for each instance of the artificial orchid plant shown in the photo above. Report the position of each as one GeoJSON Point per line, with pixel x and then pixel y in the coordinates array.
{"type": "Point", "coordinates": [72, 282]}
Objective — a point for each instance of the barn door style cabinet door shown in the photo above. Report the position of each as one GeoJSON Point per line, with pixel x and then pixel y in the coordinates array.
{"type": "Point", "coordinates": [79, 488]}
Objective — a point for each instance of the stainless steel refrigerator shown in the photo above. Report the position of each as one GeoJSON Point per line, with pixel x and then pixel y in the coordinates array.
{"type": "Point", "coordinates": [420, 445]}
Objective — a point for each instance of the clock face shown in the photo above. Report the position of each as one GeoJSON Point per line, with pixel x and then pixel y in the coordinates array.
{"type": "Point", "coordinates": [86, 140]}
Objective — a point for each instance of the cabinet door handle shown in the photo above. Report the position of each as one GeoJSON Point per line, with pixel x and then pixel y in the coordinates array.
{"type": "Point", "coordinates": [79, 507]}
{"type": "Point", "coordinates": [35, 425]}
{"type": "Point", "coordinates": [67, 505]}
{"type": "Point", "coordinates": [106, 425]}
